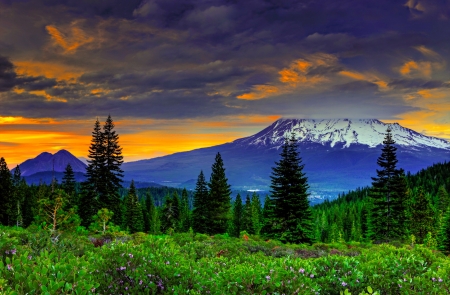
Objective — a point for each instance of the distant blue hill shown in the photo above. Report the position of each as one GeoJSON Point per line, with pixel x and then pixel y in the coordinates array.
{"type": "Point", "coordinates": [45, 162]}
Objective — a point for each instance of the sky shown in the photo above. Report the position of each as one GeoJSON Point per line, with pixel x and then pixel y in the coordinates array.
{"type": "Point", "coordinates": [177, 75]}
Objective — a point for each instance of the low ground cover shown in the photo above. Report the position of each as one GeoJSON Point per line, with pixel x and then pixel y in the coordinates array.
{"type": "Point", "coordinates": [35, 262]}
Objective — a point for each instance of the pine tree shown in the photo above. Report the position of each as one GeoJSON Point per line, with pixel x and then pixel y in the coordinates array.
{"type": "Point", "coordinates": [96, 161]}
{"type": "Point", "coordinates": [247, 221]}
{"type": "Point", "coordinates": [150, 215]}
{"type": "Point", "coordinates": [8, 205]}
{"type": "Point", "coordinates": [256, 214]}
{"type": "Point", "coordinates": [134, 220]}
{"type": "Point", "coordinates": [89, 203]}
{"type": "Point", "coordinates": [111, 172]}
{"type": "Point", "coordinates": [268, 218]}
{"type": "Point", "coordinates": [422, 214]}
{"type": "Point", "coordinates": [237, 216]}
{"type": "Point", "coordinates": [444, 234]}
{"type": "Point", "coordinates": [18, 196]}
{"type": "Point", "coordinates": [200, 213]}
{"type": "Point", "coordinates": [185, 213]}
{"type": "Point", "coordinates": [293, 216]}
{"type": "Point", "coordinates": [443, 199]}
{"type": "Point", "coordinates": [68, 184]}
{"type": "Point", "coordinates": [170, 214]}
{"type": "Point", "coordinates": [219, 199]}
{"type": "Point", "coordinates": [388, 195]}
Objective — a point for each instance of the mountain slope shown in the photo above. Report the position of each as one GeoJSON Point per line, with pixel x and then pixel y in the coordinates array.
{"type": "Point", "coordinates": [47, 162]}
{"type": "Point", "coordinates": [338, 155]}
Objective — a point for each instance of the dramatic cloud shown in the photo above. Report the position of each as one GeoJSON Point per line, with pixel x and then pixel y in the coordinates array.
{"type": "Point", "coordinates": [209, 60]}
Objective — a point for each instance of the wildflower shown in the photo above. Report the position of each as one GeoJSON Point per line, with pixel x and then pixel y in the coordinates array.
{"type": "Point", "coordinates": [311, 276]}
{"type": "Point", "coordinates": [167, 262]}
{"type": "Point", "coordinates": [160, 285]}
{"type": "Point", "coordinates": [399, 285]}
{"type": "Point", "coordinates": [9, 266]}
{"type": "Point", "coordinates": [344, 284]}
{"type": "Point", "coordinates": [433, 279]}
{"type": "Point", "coordinates": [301, 270]}
{"type": "Point", "coordinates": [13, 251]}
{"type": "Point", "coordinates": [93, 290]}
{"type": "Point", "coordinates": [268, 278]}
{"type": "Point", "coordinates": [357, 280]}
{"type": "Point", "coordinates": [122, 268]}
{"type": "Point", "coordinates": [131, 255]}
{"type": "Point", "coordinates": [140, 282]}
{"type": "Point", "coordinates": [7, 251]}
{"type": "Point", "coordinates": [29, 257]}
{"type": "Point", "coordinates": [440, 280]}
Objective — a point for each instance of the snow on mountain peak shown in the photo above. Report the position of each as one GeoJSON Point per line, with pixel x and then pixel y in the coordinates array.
{"type": "Point", "coordinates": [343, 132]}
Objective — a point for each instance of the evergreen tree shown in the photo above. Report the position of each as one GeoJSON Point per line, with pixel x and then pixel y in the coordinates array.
{"type": "Point", "coordinates": [185, 213]}
{"type": "Point", "coordinates": [170, 214]}
{"type": "Point", "coordinates": [268, 217]}
{"type": "Point", "coordinates": [388, 195]}
{"type": "Point", "coordinates": [422, 214]}
{"type": "Point", "coordinates": [247, 221]}
{"type": "Point", "coordinates": [111, 172]}
{"type": "Point", "coordinates": [200, 213]}
{"type": "Point", "coordinates": [237, 216]}
{"type": "Point", "coordinates": [68, 184]}
{"type": "Point", "coordinates": [150, 222]}
{"type": "Point", "coordinates": [292, 213]}
{"type": "Point", "coordinates": [219, 199]}
{"type": "Point", "coordinates": [18, 197]}
{"type": "Point", "coordinates": [256, 214]}
{"type": "Point", "coordinates": [444, 234]}
{"type": "Point", "coordinates": [89, 203]}
{"type": "Point", "coordinates": [443, 199]}
{"type": "Point", "coordinates": [134, 220]}
{"type": "Point", "coordinates": [6, 193]}
{"type": "Point", "coordinates": [96, 161]}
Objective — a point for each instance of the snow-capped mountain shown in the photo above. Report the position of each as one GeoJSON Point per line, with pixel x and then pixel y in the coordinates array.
{"type": "Point", "coordinates": [338, 155]}
{"type": "Point", "coordinates": [340, 133]}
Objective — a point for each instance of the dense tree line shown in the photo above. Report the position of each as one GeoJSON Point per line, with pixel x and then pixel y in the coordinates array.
{"type": "Point", "coordinates": [397, 206]}
{"type": "Point", "coordinates": [412, 208]}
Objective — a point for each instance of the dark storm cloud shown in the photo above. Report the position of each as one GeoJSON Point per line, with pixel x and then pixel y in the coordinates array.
{"type": "Point", "coordinates": [9, 79]}
{"type": "Point", "coordinates": [191, 58]}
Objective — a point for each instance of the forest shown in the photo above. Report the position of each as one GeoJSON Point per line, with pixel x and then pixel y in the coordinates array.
{"type": "Point", "coordinates": [97, 237]}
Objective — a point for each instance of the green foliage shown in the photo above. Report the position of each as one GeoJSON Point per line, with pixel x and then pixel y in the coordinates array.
{"type": "Point", "coordinates": [101, 221]}
{"type": "Point", "coordinates": [54, 214]}
{"type": "Point", "coordinates": [292, 218]}
{"type": "Point", "coordinates": [198, 264]}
